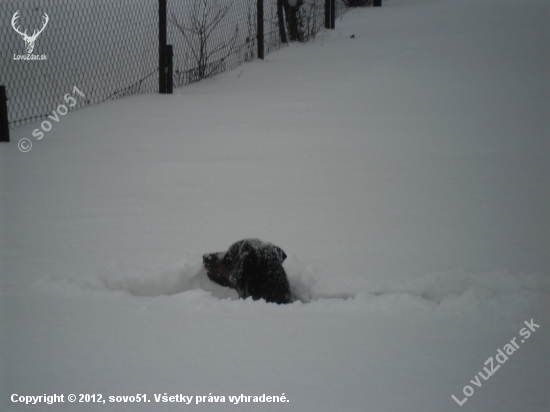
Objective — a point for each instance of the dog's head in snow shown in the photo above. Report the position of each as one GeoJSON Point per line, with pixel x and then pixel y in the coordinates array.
{"type": "Point", "coordinates": [251, 267]}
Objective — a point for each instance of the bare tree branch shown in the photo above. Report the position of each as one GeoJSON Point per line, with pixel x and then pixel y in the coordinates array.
{"type": "Point", "coordinates": [199, 34]}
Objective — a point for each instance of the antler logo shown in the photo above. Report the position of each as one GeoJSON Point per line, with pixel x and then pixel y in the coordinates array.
{"type": "Point", "coordinates": [29, 40]}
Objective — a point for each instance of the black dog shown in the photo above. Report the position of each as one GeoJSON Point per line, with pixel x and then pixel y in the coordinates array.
{"type": "Point", "coordinates": [252, 268]}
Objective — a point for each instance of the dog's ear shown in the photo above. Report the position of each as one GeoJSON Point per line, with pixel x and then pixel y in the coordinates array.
{"type": "Point", "coordinates": [227, 260]}
{"type": "Point", "coordinates": [280, 253]}
{"type": "Point", "coordinates": [243, 265]}
{"type": "Point", "coordinates": [232, 255]}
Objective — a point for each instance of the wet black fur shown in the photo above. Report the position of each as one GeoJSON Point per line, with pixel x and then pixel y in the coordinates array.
{"type": "Point", "coordinates": [252, 268]}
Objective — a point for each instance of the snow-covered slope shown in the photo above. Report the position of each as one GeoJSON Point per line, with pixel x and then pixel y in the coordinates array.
{"type": "Point", "coordinates": [404, 171]}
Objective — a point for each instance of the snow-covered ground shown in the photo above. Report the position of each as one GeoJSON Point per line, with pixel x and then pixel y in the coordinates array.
{"type": "Point", "coordinates": [405, 172]}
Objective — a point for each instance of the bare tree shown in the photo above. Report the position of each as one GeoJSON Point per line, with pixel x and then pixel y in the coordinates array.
{"type": "Point", "coordinates": [199, 33]}
{"type": "Point", "coordinates": [250, 42]}
{"type": "Point", "coordinates": [281, 21]}
{"type": "Point", "coordinates": [311, 18]}
{"type": "Point", "coordinates": [292, 14]}
{"type": "Point", "coordinates": [302, 19]}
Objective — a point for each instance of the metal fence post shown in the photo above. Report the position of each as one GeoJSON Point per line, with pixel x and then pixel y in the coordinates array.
{"type": "Point", "coordinates": [4, 127]}
{"type": "Point", "coordinates": [327, 14]}
{"type": "Point", "coordinates": [332, 14]}
{"type": "Point", "coordinates": [162, 46]}
{"type": "Point", "coordinates": [169, 69]}
{"type": "Point", "coordinates": [260, 14]}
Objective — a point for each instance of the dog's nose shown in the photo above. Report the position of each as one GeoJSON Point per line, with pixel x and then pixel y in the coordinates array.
{"type": "Point", "coordinates": [206, 259]}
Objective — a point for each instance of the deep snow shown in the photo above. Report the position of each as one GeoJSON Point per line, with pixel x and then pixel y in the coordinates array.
{"type": "Point", "coordinates": [405, 172]}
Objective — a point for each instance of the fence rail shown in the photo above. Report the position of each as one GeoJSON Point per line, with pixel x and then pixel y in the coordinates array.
{"type": "Point", "coordinates": [110, 48]}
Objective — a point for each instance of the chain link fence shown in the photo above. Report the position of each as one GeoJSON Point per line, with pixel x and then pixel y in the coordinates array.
{"type": "Point", "coordinates": [110, 48]}
{"type": "Point", "coordinates": [107, 48]}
